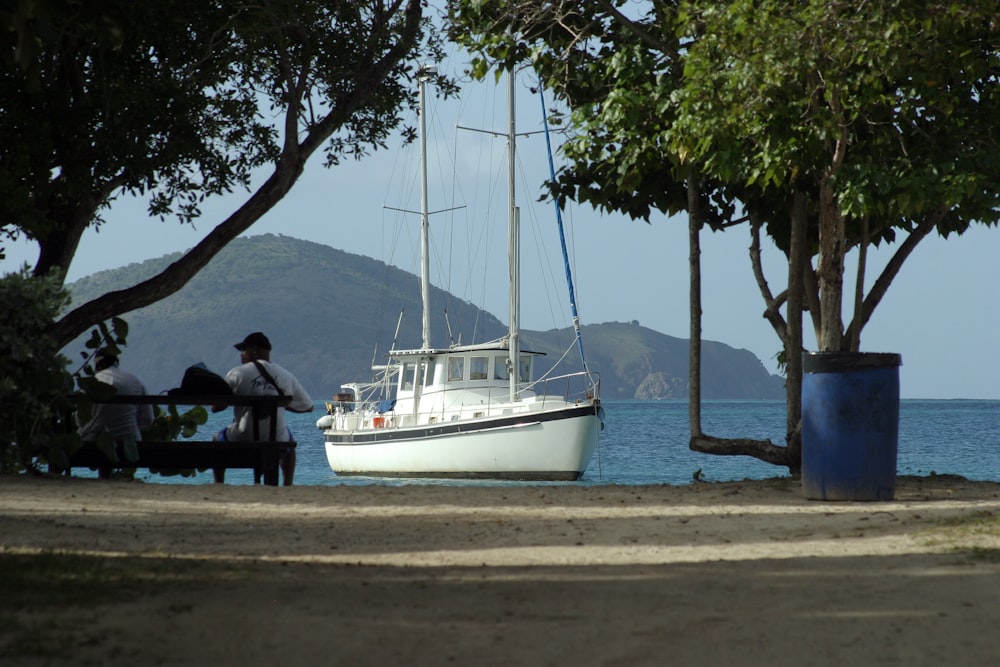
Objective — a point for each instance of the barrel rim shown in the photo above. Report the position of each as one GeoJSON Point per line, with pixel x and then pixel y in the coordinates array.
{"type": "Point", "coordinates": [839, 362]}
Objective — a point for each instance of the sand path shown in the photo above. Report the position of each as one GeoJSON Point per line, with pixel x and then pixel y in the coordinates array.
{"type": "Point", "coordinates": [749, 573]}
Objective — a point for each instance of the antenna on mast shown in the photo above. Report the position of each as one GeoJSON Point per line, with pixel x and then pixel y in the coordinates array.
{"type": "Point", "coordinates": [451, 336]}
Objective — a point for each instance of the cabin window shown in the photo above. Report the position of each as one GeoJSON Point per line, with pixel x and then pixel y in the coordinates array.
{"type": "Point", "coordinates": [456, 369]}
{"type": "Point", "coordinates": [434, 373]}
{"type": "Point", "coordinates": [525, 364]}
{"type": "Point", "coordinates": [500, 368]}
{"type": "Point", "coordinates": [479, 368]}
{"type": "Point", "coordinates": [409, 377]}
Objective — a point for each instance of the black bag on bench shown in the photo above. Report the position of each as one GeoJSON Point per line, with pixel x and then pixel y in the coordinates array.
{"type": "Point", "coordinates": [199, 381]}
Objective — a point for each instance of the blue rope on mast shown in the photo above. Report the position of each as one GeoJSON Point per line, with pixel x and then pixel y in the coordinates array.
{"type": "Point", "coordinates": [562, 234]}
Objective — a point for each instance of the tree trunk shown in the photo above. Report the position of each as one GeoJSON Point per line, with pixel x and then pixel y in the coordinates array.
{"type": "Point", "coordinates": [57, 250]}
{"type": "Point", "coordinates": [797, 255]}
{"type": "Point", "coordinates": [764, 450]}
{"type": "Point", "coordinates": [694, 351]}
{"type": "Point", "coordinates": [831, 270]}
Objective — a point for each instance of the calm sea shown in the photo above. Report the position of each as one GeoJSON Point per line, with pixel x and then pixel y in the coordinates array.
{"type": "Point", "coordinates": [646, 442]}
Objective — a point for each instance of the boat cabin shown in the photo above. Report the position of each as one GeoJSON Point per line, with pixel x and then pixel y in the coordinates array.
{"type": "Point", "coordinates": [451, 370]}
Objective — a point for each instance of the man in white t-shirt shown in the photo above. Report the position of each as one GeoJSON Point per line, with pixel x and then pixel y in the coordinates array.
{"type": "Point", "coordinates": [125, 422]}
{"type": "Point", "coordinates": [257, 375]}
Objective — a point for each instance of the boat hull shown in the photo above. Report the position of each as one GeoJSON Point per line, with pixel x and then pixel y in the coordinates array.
{"type": "Point", "coordinates": [545, 445]}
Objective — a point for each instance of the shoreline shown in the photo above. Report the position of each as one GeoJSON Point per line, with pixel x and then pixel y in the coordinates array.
{"type": "Point", "coordinates": [708, 573]}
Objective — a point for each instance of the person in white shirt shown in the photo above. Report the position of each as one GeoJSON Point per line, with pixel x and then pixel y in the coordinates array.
{"type": "Point", "coordinates": [257, 375]}
{"type": "Point", "coordinates": [122, 420]}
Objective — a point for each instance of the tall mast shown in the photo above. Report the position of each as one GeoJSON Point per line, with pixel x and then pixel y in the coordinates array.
{"type": "Point", "coordinates": [513, 250]}
{"type": "Point", "coordinates": [425, 262]}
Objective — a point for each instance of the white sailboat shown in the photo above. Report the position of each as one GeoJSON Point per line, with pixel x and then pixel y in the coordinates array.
{"type": "Point", "coordinates": [466, 411]}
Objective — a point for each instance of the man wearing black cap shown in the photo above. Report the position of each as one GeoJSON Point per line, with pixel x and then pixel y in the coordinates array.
{"type": "Point", "coordinates": [257, 375]}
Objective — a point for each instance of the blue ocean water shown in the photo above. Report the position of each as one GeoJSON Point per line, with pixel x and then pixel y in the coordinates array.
{"type": "Point", "coordinates": [646, 442]}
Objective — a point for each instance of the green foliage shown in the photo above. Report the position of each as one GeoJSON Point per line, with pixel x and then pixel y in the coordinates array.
{"type": "Point", "coordinates": [172, 425]}
{"type": "Point", "coordinates": [896, 101]}
{"type": "Point", "coordinates": [616, 92]}
{"type": "Point", "coordinates": [118, 97]}
{"type": "Point", "coordinates": [109, 339]}
{"type": "Point", "coordinates": [883, 115]}
{"type": "Point", "coordinates": [106, 338]}
{"type": "Point", "coordinates": [181, 101]}
{"type": "Point", "coordinates": [34, 383]}
{"type": "Point", "coordinates": [39, 408]}
{"type": "Point", "coordinates": [177, 103]}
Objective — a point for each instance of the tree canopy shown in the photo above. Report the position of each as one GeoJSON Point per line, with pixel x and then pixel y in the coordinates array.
{"type": "Point", "coordinates": [831, 125]}
{"type": "Point", "coordinates": [175, 103]}
{"type": "Point", "coordinates": [882, 114]}
{"type": "Point", "coordinates": [178, 102]}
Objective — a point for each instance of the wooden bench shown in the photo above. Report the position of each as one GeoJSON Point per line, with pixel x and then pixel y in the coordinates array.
{"type": "Point", "coordinates": [260, 455]}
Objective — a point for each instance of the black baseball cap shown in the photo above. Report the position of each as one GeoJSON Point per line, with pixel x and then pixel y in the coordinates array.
{"type": "Point", "coordinates": [256, 339]}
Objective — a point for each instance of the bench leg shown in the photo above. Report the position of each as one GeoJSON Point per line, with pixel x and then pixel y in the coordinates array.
{"type": "Point", "coordinates": [288, 466]}
{"type": "Point", "coordinates": [270, 468]}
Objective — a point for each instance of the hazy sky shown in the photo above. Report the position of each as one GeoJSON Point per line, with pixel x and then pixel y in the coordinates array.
{"type": "Point", "coordinates": [940, 313]}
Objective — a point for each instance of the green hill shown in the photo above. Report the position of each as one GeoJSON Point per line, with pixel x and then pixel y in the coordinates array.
{"type": "Point", "coordinates": [325, 310]}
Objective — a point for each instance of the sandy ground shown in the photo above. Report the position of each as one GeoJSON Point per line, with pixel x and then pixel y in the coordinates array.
{"type": "Point", "coordinates": [126, 573]}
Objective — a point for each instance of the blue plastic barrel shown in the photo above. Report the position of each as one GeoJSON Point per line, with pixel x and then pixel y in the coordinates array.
{"type": "Point", "coordinates": [850, 425]}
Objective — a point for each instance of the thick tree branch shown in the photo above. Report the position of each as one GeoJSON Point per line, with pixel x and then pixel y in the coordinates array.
{"type": "Point", "coordinates": [890, 272]}
{"type": "Point", "coordinates": [772, 305]}
{"type": "Point", "coordinates": [633, 27]}
{"type": "Point", "coordinates": [287, 170]}
{"type": "Point", "coordinates": [765, 450]}
{"type": "Point", "coordinates": [810, 295]}
{"type": "Point", "coordinates": [175, 276]}
{"type": "Point", "coordinates": [853, 335]}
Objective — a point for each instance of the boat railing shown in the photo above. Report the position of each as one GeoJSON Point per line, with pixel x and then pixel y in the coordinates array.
{"type": "Point", "coordinates": [578, 387]}
{"type": "Point", "coordinates": [571, 387]}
